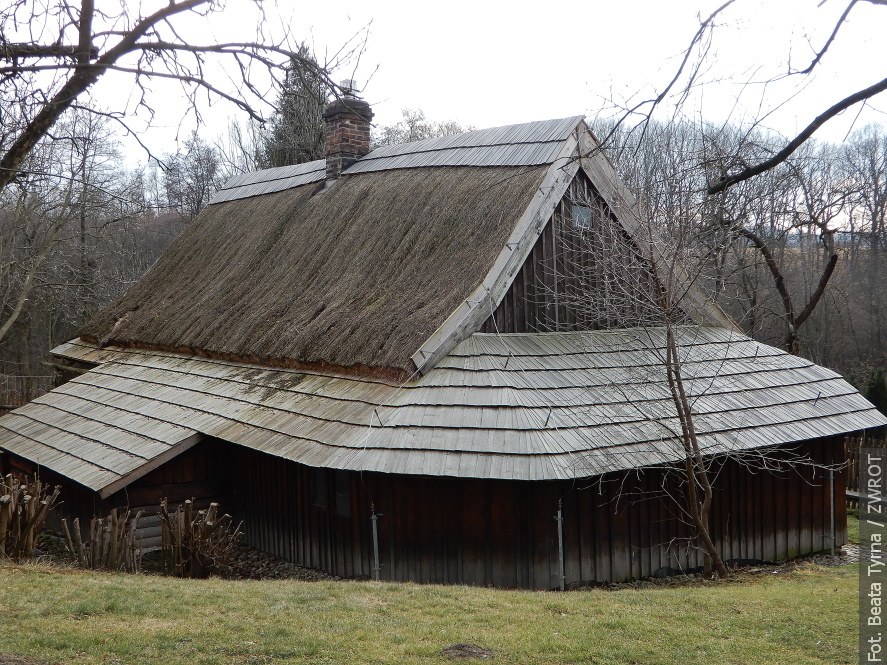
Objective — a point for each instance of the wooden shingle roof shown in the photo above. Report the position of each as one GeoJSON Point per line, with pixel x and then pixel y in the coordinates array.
{"type": "Point", "coordinates": [519, 406]}
{"type": "Point", "coordinates": [334, 325]}
{"type": "Point", "coordinates": [269, 181]}
{"type": "Point", "coordinates": [527, 144]}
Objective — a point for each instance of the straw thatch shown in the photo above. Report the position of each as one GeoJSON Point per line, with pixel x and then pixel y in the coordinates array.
{"type": "Point", "coordinates": [357, 275]}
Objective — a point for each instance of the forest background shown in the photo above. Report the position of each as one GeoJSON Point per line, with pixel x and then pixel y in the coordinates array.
{"type": "Point", "coordinates": [81, 223]}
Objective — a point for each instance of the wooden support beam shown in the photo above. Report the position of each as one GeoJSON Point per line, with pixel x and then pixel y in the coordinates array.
{"type": "Point", "coordinates": [64, 368]}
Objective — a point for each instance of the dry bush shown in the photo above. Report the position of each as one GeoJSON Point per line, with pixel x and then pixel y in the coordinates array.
{"type": "Point", "coordinates": [112, 543]}
{"type": "Point", "coordinates": [197, 544]}
{"type": "Point", "coordinates": [24, 507]}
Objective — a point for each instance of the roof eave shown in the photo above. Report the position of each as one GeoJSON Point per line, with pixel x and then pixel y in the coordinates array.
{"type": "Point", "coordinates": [154, 463]}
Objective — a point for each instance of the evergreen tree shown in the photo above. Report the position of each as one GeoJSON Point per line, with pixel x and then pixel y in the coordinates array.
{"type": "Point", "coordinates": [296, 132]}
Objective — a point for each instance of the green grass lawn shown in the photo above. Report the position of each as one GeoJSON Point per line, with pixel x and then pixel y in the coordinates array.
{"type": "Point", "coordinates": [853, 525]}
{"type": "Point", "coordinates": [807, 615]}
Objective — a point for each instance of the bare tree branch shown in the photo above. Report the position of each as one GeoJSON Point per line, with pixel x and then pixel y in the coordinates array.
{"type": "Point", "coordinates": [831, 39]}
{"type": "Point", "coordinates": [704, 27]}
{"type": "Point", "coordinates": [820, 289]}
{"type": "Point", "coordinates": [796, 142]}
{"type": "Point", "coordinates": [159, 58]}
{"type": "Point", "coordinates": [83, 77]}
{"type": "Point", "coordinates": [16, 51]}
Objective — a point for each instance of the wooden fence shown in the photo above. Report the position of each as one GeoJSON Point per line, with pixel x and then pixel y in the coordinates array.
{"type": "Point", "coordinates": [852, 448]}
{"type": "Point", "coordinates": [16, 390]}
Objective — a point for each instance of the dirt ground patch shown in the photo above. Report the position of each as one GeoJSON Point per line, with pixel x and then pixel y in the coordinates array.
{"type": "Point", "coordinates": [8, 659]}
{"type": "Point", "coordinates": [463, 650]}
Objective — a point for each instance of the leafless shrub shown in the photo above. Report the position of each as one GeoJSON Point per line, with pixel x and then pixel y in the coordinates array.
{"type": "Point", "coordinates": [112, 543]}
{"type": "Point", "coordinates": [197, 544]}
{"type": "Point", "coordinates": [24, 507]}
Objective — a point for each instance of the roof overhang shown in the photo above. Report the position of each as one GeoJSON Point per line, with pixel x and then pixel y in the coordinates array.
{"type": "Point", "coordinates": [512, 406]}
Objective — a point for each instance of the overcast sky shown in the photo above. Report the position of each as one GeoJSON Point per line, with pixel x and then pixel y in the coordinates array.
{"type": "Point", "coordinates": [487, 62]}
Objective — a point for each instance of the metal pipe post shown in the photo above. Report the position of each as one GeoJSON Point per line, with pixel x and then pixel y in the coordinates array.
{"type": "Point", "coordinates": [560, 544]}
{"type": "Point", "coordinates": [831, 494]}
{"type": "Point", "coordinates": [377, 569]}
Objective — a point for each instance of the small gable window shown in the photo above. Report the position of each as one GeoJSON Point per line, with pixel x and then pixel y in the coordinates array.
{"type": "Point", "coordinates": [581, 217]}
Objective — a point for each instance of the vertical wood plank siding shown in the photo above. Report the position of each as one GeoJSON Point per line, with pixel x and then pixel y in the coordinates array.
{"type": "Point", "coordinates": [563, 284]}
{"type": "Point", "coordinates": [499, 532]}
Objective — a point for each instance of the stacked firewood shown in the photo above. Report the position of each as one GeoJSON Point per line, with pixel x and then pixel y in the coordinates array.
{"type": "Point", "coordinates": [112, 542]}
{"type": "Point", "coordinates": [24, 507]}
{"type": "Point", "coordinates": [197, 543]}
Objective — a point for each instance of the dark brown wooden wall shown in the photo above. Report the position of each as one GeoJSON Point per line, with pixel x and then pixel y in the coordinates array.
{"type": "Point", "coordinates": [480, 532]}
{"type": "Point", "coordinates": [575, 278]}
{"type": "Point", "coordinates": [469, 531]}
{"type": "Point", "coordinates": [201, 473]}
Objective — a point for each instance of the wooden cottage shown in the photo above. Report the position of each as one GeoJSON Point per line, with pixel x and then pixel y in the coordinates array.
{"type": "Point", "coordinates": [368, 360]}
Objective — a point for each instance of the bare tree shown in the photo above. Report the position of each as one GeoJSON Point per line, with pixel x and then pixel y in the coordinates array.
{"type": "Point", "coordinates": [798, 195]}
{"type": "Point", "coordinates": [744, 158]}
{"type": "Point", "coordinates": [76, 227]}
{"type": "Point", "coordinates": [51, 55]}
{"type": "Point", "coordinates": [86, 42]}
{"type": "Point", "coordinates": [865, 161]}
{"type": "Point", "coordinates": [697, 58]}
{"type": "Point", "coordinates": [415, 127]}
{"type": "Point", "coordinates": [801, 201]}
{"type": "Point", "coordinates": [646, 274]}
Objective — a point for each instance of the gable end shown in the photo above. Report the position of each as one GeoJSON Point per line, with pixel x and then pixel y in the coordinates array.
{"type": "Point", "coordinates": [484, 299]}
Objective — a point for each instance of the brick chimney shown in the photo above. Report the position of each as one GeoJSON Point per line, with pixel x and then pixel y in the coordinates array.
{"type": "Point", "coordinates": [347, 122]}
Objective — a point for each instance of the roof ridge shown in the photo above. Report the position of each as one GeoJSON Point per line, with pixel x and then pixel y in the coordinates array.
{"type": "Point", "coordinates": [457, 147]}
{"type": "Point", "coordinates": [554, 123]}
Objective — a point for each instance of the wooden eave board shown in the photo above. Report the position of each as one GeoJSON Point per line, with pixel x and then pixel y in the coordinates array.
{"type": "Point", "coordinates": [520, 137]}
{"type": "Point", "coordinates": [83, 352]}
{"type": "Point", "coordinates": [531, 154]}
{"type": "Point", "coordinates": [462, 322]}
{"type": "Point", "coordinates": [276, 173]}
{"type": "Point", "coordinates": [632, 379]}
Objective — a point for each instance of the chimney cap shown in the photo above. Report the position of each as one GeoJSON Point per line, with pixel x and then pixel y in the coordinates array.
{"type": "Point", "coordinates": [349, 87]}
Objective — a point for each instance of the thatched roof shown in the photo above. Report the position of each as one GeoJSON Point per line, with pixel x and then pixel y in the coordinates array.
{"type": "Point", "coordinates": [387, 269]}
{"type": "Point", "coordinates": [357, 275]}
